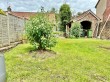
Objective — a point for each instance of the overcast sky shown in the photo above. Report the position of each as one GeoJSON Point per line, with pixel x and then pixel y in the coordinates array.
{"type": "Point", "coordinates": [34, 5]}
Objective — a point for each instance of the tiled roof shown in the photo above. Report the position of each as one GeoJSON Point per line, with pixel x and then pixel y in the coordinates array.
{"type": "Point", "coordinates": [85, 14]}
{"type": "Point", "coordinates": [26, 15]}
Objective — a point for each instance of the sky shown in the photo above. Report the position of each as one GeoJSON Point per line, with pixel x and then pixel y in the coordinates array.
{"type": "Point", "coordinates": [35, 5]}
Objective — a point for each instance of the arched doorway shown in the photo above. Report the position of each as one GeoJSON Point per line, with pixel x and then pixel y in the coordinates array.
{"type": "Point", "coordinates": [86, 26]}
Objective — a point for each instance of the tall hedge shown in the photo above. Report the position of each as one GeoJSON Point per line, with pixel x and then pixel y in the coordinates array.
{"type": "Point", "coordinates": [65, 16]}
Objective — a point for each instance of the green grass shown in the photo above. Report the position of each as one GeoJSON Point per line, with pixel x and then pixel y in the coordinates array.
{"type": "Point", "coordinates": [77, 60]}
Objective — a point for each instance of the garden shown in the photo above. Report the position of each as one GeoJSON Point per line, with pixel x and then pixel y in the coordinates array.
{"type": "Point", "coordinates": [79, 60]}
{"type": "Point", "coordinates": [45, 58]}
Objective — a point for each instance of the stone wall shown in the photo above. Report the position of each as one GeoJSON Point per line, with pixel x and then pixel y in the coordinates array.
{"type": "Point", "coordinates": [11, 29]}
{"type": "Point", "coordinates": [106, 31]}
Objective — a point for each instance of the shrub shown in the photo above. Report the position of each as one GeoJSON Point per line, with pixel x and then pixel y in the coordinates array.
{"type": "Point", "coordinates": [39, 32]}
{"type": "Point", "coordinates": [2, 12]}
{"type": "Point", "coordinates": [75, 30]}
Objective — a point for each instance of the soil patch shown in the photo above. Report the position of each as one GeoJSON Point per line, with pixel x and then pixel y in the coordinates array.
{"type": "Point", "coordinates": [42, 54]}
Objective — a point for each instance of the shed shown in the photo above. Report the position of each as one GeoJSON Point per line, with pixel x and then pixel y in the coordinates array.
{"type": "Point", "coordinates": [88, 20]}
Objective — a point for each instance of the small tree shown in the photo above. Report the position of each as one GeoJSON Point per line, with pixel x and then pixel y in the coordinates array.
{"type": "Point", "coordinates": [79, 13]}
{"type": "Point", "coordinates": [9, 9]}
{"type": "Point", "coordinates": [53, 10]}
{"type": "Point", "coordinates": [75, 30]}
{"type": "Point", "coordinates": [65, 16]}
{"type": "Point", "coordinates": [39, 32]}
{"type": "Point", "coordinates": [42, 9]}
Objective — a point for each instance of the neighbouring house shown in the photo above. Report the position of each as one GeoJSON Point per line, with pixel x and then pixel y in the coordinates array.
{"type": "Point", "coordinates": [103, 12]}
{"type": "Point", "coordinates": [27, 15]}
{"type": "Point", "coordinates": [89, 23]}
{"type": "Point", "coordinates": [100, 8]}
{"type": "Point", "coordinates": [103, 9]}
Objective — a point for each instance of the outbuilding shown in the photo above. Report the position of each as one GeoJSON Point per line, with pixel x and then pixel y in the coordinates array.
{"type": "Point", "coordinates": [89, 23]}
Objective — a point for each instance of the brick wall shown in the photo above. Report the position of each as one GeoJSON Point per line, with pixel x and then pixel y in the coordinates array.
{"type": "Point", "coordinates": [106, 32]}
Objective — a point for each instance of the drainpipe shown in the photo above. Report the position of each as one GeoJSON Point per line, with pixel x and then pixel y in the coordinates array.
{"type": "Point", "coordinates": [97, 29]}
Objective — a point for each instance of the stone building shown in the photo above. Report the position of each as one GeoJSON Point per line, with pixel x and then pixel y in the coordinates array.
{"type": "Point", "coordinates": [89, 22]}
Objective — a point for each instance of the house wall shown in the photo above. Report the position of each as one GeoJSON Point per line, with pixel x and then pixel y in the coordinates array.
{"type": "Point", "coordinates": [108, 3]}
{"type": "Point", "coordinates": [103, 10]}
{"type": "Point", "coordinates": [100, 9]}
{"type": "Point", "coordinates": [106, 14]}
{"type": "Point", "coordinates": [106, 31]}
{"type": "Point", "coordinates": [107, 11]}
{"type": "Point", "coordinates": [11, 29]}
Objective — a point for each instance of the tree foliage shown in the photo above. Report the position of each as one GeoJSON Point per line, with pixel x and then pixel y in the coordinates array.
{"type": "Point", "coordinates": [53, 10]}
{"type": "Point", "coordinates": [79, 13]}
{"type": "Point", "coordinates": [9, 8]}
{"type": "Point", "coordinates": [2, 12]}
{"type": "Point", "coordinates": [65, 16]}
{"type": "Point", "coordinates": [42, 9]}
{"type": "Point", "coordinates": [75, 30]}
{"type": "Point", "coordinates": [39, 32]}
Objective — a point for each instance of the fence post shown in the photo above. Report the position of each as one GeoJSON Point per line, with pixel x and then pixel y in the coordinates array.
{"type": "Point", "coordinates": [1, 32]}
{"type": "Point", "coordinates": [8, 28]}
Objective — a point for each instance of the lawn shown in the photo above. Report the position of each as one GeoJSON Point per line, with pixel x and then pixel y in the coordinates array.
{"type": "Point", "coordinates": [76, 60]}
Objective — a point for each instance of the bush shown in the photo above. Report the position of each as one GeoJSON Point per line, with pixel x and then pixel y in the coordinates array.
{"type": "Point", "coordinates": [2, 12]}
{"type": "Point", "coordinates": [39, 32]}
{"type": "Point", "coordinates": [75, 30]}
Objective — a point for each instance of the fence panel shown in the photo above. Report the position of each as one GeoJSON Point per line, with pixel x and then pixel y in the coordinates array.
{"type": "Point", "coordinates": [11, 29]}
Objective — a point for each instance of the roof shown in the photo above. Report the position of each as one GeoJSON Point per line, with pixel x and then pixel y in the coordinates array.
{"type": "Point", "coordinates": [85, 14]}
{"type": "Point", "coordinates": [97, 3]}
{"type": "Point", "coordinates": [26, 15]}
